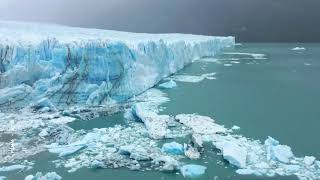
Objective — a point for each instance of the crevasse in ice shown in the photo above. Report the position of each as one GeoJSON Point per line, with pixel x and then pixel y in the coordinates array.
{"type": "Point", "coordinates": [62, 65]}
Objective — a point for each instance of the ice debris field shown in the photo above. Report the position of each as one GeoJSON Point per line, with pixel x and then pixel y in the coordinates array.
{"type": "Point", "coordinates": [51, 75]}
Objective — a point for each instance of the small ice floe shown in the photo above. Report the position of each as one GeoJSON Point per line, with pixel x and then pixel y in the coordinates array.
{"type": "Point", "coordinates": [192, 170]}
{"type": "Point", "coordinates": [234, 127]}
{"type": "Point", "coordinates": [208, 60]}
{"type": "Point", "coordinates": [65, 150]}
{"type": "Point", "coordinates": [233, 153]}
{"type": "Point", "coordinates": [168, 85]}
{"type": "Point", "coordinates": [135, 152]}
{"type": "Point", "coordinates": [166, 163]}
{"type": "Point", "coordinates": [151, 99]}
{"type": "Point", "coordinates": [238, 44]}
{"type": "Point", "coordinates": [15, 168]}
{"type": "Point", "coordinates": [307, 64]}
{"type": "Point", "coordinates": [155, 124]}
{"type": "Point", "coordinates": [252, 55]}
{"type": "Point", "coordinates": [309, 160]}
{"type": "Point", "coordinates": [234, 62]}
{"type": "Point", "coordinates": [278, 152]}
{"type": "Point", "coordinates": [172, 148]}
{"type": "Point", "coordinates": [227, 65]}
{"type": "Point", "coordinates": [298, 49]}
{"type": "Point", "coordinates": [193, 79]}
{"type": "Point", "coordinates": [2, 177]}
{"type": "Point", "coordinates": [191, 152]}
{"type": "Point", "coordinates": [200, 124]}
{"type": "Point", "coordinates": [40, 176]}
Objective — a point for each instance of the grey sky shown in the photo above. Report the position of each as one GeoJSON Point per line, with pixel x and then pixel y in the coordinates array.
{"type": "Point", "coordinates": [248, 20]}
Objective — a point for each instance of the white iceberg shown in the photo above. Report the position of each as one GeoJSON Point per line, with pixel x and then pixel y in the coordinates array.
{"type": "Point", "coordinates": [167, 163]}
{"type": "Point", "coordinates": [252, 55]}
{"type": "Point", "coordinates": [233, 153]}
{"type": "Point", "coordinates": [14, 168]}
{"type": "Point", "coordinates": [309, 160]}
{"type": "Point", "coordinates": [200, 124]}
{"type": "Point", "coordinates": [193, 79]}
{"type": "Point", "coordinates": [48, 176]}
{"type": "Point", "coordinates": [298, 49]}
{"type": "Point", "coordinates": [168, 85]}
{"type": "Point", "coordinates": [65, 150]}
{"type": "Point", "coordinates": [155, 124]}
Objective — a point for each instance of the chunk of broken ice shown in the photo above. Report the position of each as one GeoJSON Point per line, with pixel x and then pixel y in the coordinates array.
{"type": "Point", "coordinates": [298, 49]}
{"type": "Point", "coordinates": [281, 153]}
{"type": "Point", "coordinates": [233, 153]}
{"type": "Point", "coordinates": [172, 148]}
{"type": "Point", "coordinates": [192, 170]}
{"type": "Point", "coordinates": [65, 150]}
{"type": "Point", "coordinates": [168, 85]}
{"type": "Point", "coordinates": [193, 79]}
{"type": "Point", "coordinates": [309, 160]}
{"type": "Point", "coordinates": [155, 124]}
{"type": "Point", "coordinates": [200, 124]}
{"type": "Point", "coordinates": [14, 168]}
{"type": "Point", "coordinates": [168, 163]}
{"type": "Point", "coordinates": [48, 176]}
{"type": "Point", "coordinates": [235, 127]}
{"type": "Point", "coordinates": [134, 152]}
{"type": "Point", "coordinates": [191, 152]}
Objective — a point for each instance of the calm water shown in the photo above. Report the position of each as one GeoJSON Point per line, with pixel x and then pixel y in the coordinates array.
{"type": "Point", "coordinates": [278, 97]}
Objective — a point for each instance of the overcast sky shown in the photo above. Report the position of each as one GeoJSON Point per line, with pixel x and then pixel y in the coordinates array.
{"type": "Point", "coordinates": [248, 20]}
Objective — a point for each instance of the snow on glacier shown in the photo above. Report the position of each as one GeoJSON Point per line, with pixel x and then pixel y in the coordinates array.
{"type": "Point", "coordinates": [69, 65]}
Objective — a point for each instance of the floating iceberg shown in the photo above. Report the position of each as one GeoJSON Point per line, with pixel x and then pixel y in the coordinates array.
{"type": "Point", "coordinates": [192, 170]}
{"type": "Point", "coordinates": [48, 176]}
{"type": "Point", "coordinates": [168, 163]}
{"type": "Point", "coordinates": [14, 168]}
{"type": "Point", "coordinates": [200, 124]}
{"type": "Point", "coordinates": [70, 66]}
{"type": "Point", "coordinates": [155, 124]}
{"type": "Point", "coordinates": [298, 49]}
{"type": "Point", "coordinates": [65, 150]}
{"type": "Point", "coordinates": [233, 153]}
{"type": "Point", "coordinates": [172, 148]}
{"type": "Point", "coordinates": [193, 79]}
{"type": "Point", "coordinates": [168, 85]}
{"type": "Point", "coordinates": [252, 55]}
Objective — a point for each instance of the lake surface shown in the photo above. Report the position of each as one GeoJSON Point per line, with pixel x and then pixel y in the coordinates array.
{"type": "Point", "coordinates": [278, 96]}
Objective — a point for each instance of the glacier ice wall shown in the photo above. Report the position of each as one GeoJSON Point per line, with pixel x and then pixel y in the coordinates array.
{"type": "Point", "coordinates": [45, 64]}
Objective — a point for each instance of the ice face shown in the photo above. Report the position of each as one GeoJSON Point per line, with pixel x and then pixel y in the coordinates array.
{"type": "Point", "coordinates": [88, 66]}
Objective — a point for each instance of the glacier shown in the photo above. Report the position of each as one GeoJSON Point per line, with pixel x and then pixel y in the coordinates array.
{"type": "Point", "coordinates": [47, 66]}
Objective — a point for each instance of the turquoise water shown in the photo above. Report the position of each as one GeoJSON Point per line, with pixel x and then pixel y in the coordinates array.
{"type": "Point", "coordinates": [278, 97]}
